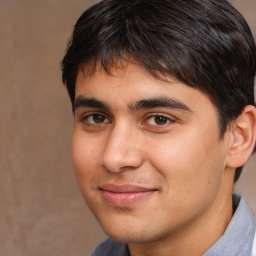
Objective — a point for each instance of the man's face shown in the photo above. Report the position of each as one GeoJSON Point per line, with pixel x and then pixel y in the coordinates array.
{"type": "Point", "coordinates": [147, 154]}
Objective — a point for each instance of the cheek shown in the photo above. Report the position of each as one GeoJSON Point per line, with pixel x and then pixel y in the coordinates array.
{"type": "Point", "coordinates": [190, 167]}
{"type": "Point", "coordinates": [84, 156]}
{"type": "Point", "coordinates": [190, 184]}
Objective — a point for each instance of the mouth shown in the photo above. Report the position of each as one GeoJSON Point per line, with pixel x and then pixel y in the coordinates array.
{"type": "Point", "coordinates": [124, 195]}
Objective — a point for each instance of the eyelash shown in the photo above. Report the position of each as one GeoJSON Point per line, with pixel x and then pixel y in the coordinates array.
{"type": "Point", "coordinates": [160, 115]}
{"type": "Point", "coordinates": [166, 119]}
{"type": "Point", "coordinates": [91, 115]}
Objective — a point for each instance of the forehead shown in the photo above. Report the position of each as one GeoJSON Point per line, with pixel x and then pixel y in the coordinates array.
{"type": "Point", "coordinates": [132, 80]}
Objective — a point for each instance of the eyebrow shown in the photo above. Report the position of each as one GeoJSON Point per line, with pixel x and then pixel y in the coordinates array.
{"type": "Point", "coordinates": [89, 102]}
{"type": "Point", "coordinates": [166, 102]}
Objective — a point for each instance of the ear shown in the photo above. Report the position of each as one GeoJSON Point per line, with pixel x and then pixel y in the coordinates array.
{"type": "Point", "coordinates": [243, 131]}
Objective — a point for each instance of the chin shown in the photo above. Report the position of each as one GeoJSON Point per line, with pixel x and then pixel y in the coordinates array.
{"type": "Point", "coordinates": [130, 234]}
{"type": "Point", "coordinates": [128, 238]}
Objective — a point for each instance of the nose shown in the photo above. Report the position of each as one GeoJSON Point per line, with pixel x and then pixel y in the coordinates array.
{"type": "Point", "coordinates": [122, 150]}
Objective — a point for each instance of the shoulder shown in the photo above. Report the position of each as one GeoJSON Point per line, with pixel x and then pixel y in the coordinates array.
{"type": "Point", "coordinates": [110, 248]}
{"type": "Point", "coordinates": [103, 248]}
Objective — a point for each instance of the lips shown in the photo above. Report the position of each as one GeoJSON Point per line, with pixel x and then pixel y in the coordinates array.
{"type": "Point", "coordinates": [125, 195]}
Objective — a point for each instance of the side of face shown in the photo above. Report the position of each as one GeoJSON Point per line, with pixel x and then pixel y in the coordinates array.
{"type": "Point", "coordinates": [147, 154]}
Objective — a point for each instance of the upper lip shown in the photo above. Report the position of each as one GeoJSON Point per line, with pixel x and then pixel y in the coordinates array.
{"type": "Point", "coordinates": [125, 188]}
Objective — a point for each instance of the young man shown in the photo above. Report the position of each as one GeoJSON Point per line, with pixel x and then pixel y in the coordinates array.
{"type": "Point", "coordinates": [162, 93]}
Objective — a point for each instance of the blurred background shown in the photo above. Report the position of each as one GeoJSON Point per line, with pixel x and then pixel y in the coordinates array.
{"type": "Point", "coordinates": [41, 210]}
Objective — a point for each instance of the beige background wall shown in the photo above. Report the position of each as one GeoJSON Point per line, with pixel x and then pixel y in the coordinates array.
{"type": "Point", "coordinates": [41, 209]}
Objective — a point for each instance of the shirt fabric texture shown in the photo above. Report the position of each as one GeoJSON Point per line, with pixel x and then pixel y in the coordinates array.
{"type": "Point", "coordinates": [239, 239]}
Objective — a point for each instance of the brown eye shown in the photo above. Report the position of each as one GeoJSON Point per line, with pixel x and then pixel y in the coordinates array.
{"type": "Point", "coordinates": [158, 120]}
{"type": "Point", "coordinates": [96, 119]}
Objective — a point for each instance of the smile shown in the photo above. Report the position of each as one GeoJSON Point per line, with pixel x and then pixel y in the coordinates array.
{"type": "Point", "coordinates": [124, 195]}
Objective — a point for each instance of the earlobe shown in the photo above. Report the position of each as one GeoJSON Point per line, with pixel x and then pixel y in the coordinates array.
{"type": "Point", "coordinates": [244, 137]}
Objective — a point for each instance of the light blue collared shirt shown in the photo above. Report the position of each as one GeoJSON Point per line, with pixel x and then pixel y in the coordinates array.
{"type": "Point", "coordinates": [236, 241]}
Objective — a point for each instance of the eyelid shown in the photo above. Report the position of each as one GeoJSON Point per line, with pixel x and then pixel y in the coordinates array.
{"type": "Point", "coordinates": [170, 118]}
{"type": "Point", "coordinates": [86, 115]}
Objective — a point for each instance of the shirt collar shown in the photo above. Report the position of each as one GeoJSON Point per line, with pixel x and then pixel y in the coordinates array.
{"type": "Point", "coordinates": [238, 237]}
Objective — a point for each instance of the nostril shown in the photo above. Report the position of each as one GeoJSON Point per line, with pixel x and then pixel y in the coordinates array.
{"type": "Point", "coordinates": [128, 168]}
{"type": "Point", "coordinates": [129, 161]}
{"type": "Point", "coordinates": [122, 169]}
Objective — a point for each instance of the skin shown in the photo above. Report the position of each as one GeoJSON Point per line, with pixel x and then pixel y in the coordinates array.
{"type": "Point", "coordinates": [178, 157]}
